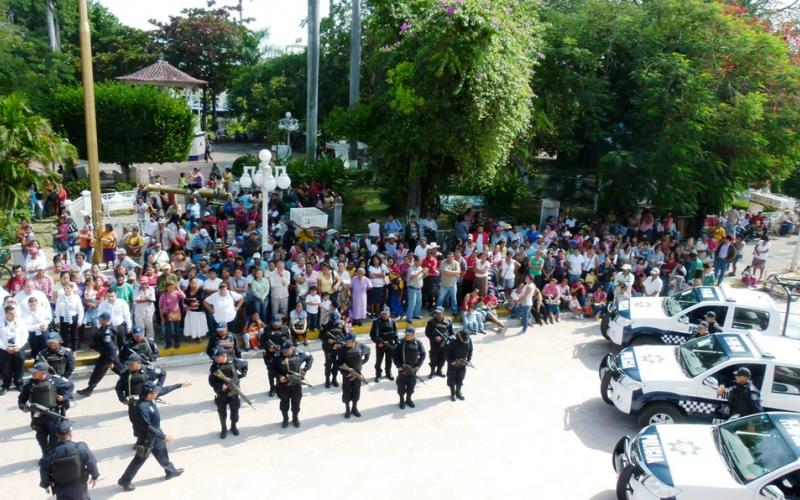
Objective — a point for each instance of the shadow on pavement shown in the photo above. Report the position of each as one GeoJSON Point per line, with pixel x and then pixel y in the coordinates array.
{"type": "Point", "coordinates": [598, 425]}
{"type": "Point", "coordinates": [592, 352]}
{"type": "Point", "coordinates": [605, 495]}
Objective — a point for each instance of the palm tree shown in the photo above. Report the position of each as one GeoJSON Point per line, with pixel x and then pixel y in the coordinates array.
{"type": "Point", "coordinates": [25, 140]}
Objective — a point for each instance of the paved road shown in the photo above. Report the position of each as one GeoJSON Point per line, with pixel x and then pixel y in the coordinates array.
{"type": "Point", "coordinates": [532, 419]}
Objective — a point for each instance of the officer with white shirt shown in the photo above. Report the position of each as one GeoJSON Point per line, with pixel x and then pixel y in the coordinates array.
{"type": "Point", "coordinates": [37, 319]}
{"type": "Point", "coordinates": [120, 313]}
{"type": "Point", "coordinates": [13, 332]}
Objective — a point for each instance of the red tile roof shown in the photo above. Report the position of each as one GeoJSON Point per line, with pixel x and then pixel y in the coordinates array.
{"type": "Point", "coordinates": [162, 73]}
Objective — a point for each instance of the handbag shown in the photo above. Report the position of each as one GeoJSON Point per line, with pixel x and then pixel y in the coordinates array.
{"type": "Point", "coordinates": [174, 315]}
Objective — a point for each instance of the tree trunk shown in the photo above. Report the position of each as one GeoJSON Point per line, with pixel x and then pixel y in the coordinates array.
{"type": "Point", "coordinates": [213, 110]}
{"type": "Point", "coordinates": [204, 113]}
{"type": "Point", "coordinates": [414, 192]}
{"type": "Point", "coordinates": [127, 172]}
{"type": "Point", "coordinates": [355, 67]}
{"type": "Point", "coordinates": [312, 94]}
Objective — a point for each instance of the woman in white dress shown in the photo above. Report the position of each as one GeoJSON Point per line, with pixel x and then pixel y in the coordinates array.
{"type": "Point", "coordinates": [195, 325]}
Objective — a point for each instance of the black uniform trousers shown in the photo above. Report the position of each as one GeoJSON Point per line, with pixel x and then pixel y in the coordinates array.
{"type": "Point", "coordinates": [455, 375]}
{"type": "Point", "coordinates": [436, 356]}
{"type": "Point", "coordinates": [69, 332]}
{"type": "Point", "coordinates": [73, 491]}
{"type": "Point", "coordinates": [45, 429]}
{"type": "Point", "coordinates": [225, 401]}
{"type": "Point", "coordinates": [329, 371]}
{"type": "Point", "coordinates": [385, 356]}
{"type": "Point", "coordinates": [121, 334]}
{"type": "Point", "coordinates": [290, 395]}
{"type": "Point", "coordinates": [272, 375]}
{"type": "Point", "coordinates": [159, 452]}
{"type": "Point", "coordinates": [100, 370]}
{"type": "Point", "coordinates": [406, 383]}
{"type": "Point", "coordinates": [351, 390]}
{"type": "Point", "coordinates": [11, 368]}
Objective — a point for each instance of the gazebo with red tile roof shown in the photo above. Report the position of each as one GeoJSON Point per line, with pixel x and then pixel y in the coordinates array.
{"type": "Point", "coordinates": [164, 74]}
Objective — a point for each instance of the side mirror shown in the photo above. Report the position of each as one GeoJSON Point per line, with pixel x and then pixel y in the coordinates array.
{"type": "Point", "coordinates": [772, 492]}
{"type": "Point", "coordinates": [683, 319]}
{"type": "Point", "coordinates": [711, 382]}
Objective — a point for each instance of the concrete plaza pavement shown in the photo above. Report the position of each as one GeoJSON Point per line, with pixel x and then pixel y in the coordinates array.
{"type": "Point", "coordinates": [532, 426]}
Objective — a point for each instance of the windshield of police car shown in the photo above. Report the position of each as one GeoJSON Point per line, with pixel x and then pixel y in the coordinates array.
{"type": "Point", "coordinates": [701, 354]}
{"type": "Point", "coordinates": [680, 301]}
{"type": "Point", "coordinates": [759, 444]}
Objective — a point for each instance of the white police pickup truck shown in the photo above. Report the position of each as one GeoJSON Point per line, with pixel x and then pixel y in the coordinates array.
{"type": "Point", "coordinates": [673, 384]}
{"type": "Point", "coordinates": [671, 320]}
{"type": "Point", "coordinates": [754, 457]}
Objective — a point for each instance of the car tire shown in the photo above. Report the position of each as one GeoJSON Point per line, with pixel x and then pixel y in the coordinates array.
{"type": "Point", "coordinates": [623, 482]}
{"type": "Point", "coordinates": [604, 383]}
{"type": "Point", "coordinates": [661, 413]}
{"type": "Point", "coordinates": [646, 339]}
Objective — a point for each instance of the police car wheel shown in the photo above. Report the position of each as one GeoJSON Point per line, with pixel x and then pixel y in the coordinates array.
{"type": "Point", "coordinates": [646, 339]}
{"type": "Point", "coordinates": [660, 414]}
{"type": "Point", "coordinates": [605, 387]}
{"type": "Point", "coordinates": [624, 489]}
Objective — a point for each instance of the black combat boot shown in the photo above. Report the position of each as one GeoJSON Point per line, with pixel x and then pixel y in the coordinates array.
{"type": "Point", "coordinates": [402, 402]}
{"type": "Point", "coordinates": [271, 390]}
{"type": "Point", "coordinates": [86, 392]}
{"type": "Point", "coordinates": [295, 420]}
{"type": "Point", "coordinates": [439, 372]}
{"type": "Point", "coordinates": [452, 393]}
{"type": "Point", "coordinates": [356, 413]}
{"type": "Point", "coordinates": [377, 376]}
{"type": "Point", "coordinates": [285, 423]}
{"type": "Point", "coordinates": [458, 393]}
{"type": "Point", "coordinates": [327, 382]}
{"type": "Point", "coordinates": [347, 410]}
{"type": "Point", "coordinates": [430, 376]}
{"type": "Point", "coordinates": [224, 432]}
{"type": "Point", "coordinates": [409, 402]}
{"type": "Point", "coordinates": [389, 375]}
{"type": "Point", "coordinates": [234, 429]}
{"type": "Point", "coordinates": [334, 382]}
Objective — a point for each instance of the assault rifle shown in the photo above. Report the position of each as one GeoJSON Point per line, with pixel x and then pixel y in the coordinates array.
{"type": "Point", "coordinates": [297, 378]}
{"type": "Point", "coordinates": [36, 408]}
{"type": "Point", "coordinates": [352, 373]}
{"type": "Point", "coordinates": [460, 363]}
{"type": "Point", "coordinates": [410, 369]}
{"type": "Point", "coordinates": [233, 387]}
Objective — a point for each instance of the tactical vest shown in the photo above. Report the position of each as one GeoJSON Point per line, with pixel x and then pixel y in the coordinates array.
{"type": "Point", "coordinates": [228, 343]}
{"type": "Point", "coordinates": [410, 353]}
{"type": "Point", "coordinates": [291, 363]}
{"type": "Point", "coordinates": [386, 331]}
{"type": "Point", "coordinates": [740, 399]}
{"type": "Point", "coordinates": [44, 393]}
{"type": "Point", "coordinates": [143, 349]}
{"type": "Point", "coordinates": [65, 464]}
{"type": "Point", "coordinates": [56, 359]}
{"type": "Point", "coordinates": [353, 358]}
{"type": "Point", "coordinates": [440, 328]}
{"type": "Point", "coordinates": [229, 370]}
{"type": "Point", "coordinates": [277, 336]}
{"type": "Point", "coordinates": [459, 349]}
{"type": "Point", "coordinates": [135, 382]}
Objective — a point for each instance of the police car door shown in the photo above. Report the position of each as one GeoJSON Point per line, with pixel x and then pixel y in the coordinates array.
{"type": "Point", "coordinates": [781, 388]}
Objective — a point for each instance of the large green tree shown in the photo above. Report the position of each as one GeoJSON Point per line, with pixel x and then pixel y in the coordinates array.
{"type": "Point", "coordinates": [677, 103]}
{"type": "Point", "coordinates": [135, 124]}
{"type": "Point", "coordinates": [28, 147]}
{"type": "Point", "coordinates": [447, 91]}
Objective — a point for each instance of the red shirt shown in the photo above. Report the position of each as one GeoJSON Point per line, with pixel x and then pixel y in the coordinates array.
{"type": "Point", "coordinates": [431, 264]}
{"type": "Point", "coordinates": [15, 285]}
{"type": "Point", "coordinates": [469, 300]}
{"type": "Point", "coordinates": [469, 274]}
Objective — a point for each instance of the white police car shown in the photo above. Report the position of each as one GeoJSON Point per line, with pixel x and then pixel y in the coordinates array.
{"type": "Point", "coordinates": [673, 384]}
{"type": "Point", "coordinates": [670, 320]}
{"type": "Point", "coordinates": [754, 457]}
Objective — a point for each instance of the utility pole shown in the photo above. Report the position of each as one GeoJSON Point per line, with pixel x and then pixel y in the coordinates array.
{"type": "Point", "coordinates": [52, 31]}
{"type": "Point", "coordinates": [312, 97]}
{"type": "Point", "coordinates": [355, 68]}
{"type": "Point", "coordinates": [91, 128]}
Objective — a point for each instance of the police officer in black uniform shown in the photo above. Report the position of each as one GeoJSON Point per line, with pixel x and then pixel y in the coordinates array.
{"type": "Point", "coordinates": [701, 330]}
{"type": "Point", "coordinates": [711, 319]}
{"type": "Point", "coordinates": [235, 370]}
{"type": "Point", "coordinates": [129, 385]}
{"type": "Point", "coordinates": [384, 334]}
{"type": "Point", "coordinates": [139, 344]}
{"type": "Point", "coordinates": [743, 397]}
{"type": "Point", "coordinates": [150, 438]}
{"type": "Point", "coordinates": [67, 467]}
{"type": "Point", "coordinates": [408, 357]}
{"type": "Point", "coordinates": [61, 359]}
{"type": "Point", "coordinates": [457, 352]}
{"type": "Point", "coordinates": [271, 341]}
{"type": "Point", "coordinates": [290, 392]}
{"type": "Point", "coordinates": [105, 342]}
{"type": "Point", "coordinates": [49, 392]}
{"type": "Point", "coordinates": [331, 336]}
{"type": "Point", "coordinates": [225, 339]}
{"type": "Point", "coordinates": [439, 331]}
{"type": "Point", "coordinates": [354, 355]}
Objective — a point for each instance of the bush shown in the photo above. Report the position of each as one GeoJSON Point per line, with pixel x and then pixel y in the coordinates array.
{"type": "Point", "coordinates": [237, 169]}
{"type": "Point", "coordinates": [8, 225]}
{"type": "Point", "coordinates": [124, 186]}
{"type": "Point", "coordinates": [74, 188]}
{"type": "Point", "coordinates": [331, 173]}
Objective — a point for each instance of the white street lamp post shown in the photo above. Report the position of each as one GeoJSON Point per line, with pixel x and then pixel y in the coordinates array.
{"type": "Point", "coordinates": [269, 180]}
{"type": "Point", "coordinates": [290, 125]}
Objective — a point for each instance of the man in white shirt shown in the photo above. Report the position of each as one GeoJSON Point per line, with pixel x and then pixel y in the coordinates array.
{"type": "Point", "coordinates": [36, 258]}
{"type": "Point", "coordinates": [653, 284]}
{"type": "Point", "coordinates": [508, 270]}
{"type": "Point", "coordinates": [279, 281]}
{"type": "Point", "coordinates": [144, 307]}
{"type": "Point", "coordinates": [120, 315]}
{"type": "Point", "coordinates": [576, 260]}
{"type": "Point", "coordinates": [159, 255]}
{"type": "Point", "coordinates": [37, 319]}
{"type": "Point", "coordinates": [125, 261]}
{"type": "Point", "coordinates": [80, 264]}
{"type": "Point", "coordinates": [27, 292]}
{"type": "Point", "coordinates": [422, 249]}
{"type": "Point", "coordinates": [12, 337]}
{"type": "Point", "coordinates": [223, 305]}
{"type": "Point", "coordinates": [374, 229]}
{"type": "Point", "coordinates": [625, 278]}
